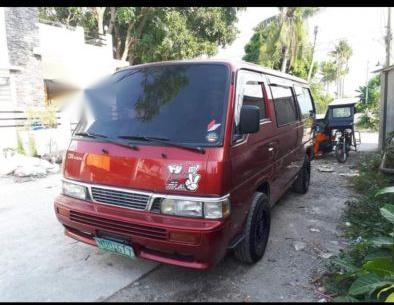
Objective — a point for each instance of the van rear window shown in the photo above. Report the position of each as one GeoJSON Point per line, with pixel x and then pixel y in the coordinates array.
{"type": "Point", "coordinates": [284, 104]}
{"type": "Point", "coordinates": [184, 103]}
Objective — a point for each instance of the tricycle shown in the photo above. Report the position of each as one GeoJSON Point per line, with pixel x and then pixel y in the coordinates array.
{"type": "Point", "coordinates": [335, 131]}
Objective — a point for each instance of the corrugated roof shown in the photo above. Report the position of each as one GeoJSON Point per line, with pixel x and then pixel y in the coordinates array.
{"type": "Point", "coordinates": [384, 69]}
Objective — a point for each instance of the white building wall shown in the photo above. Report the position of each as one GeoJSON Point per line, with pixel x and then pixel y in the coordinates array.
{"type": "Point", "coordinates": [66, 56]}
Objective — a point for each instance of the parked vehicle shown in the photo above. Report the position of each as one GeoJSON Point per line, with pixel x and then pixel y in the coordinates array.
{"type": "Point", "coordinates": [179, 162]}
{"type": "Point", "coordinates": [335, 131]}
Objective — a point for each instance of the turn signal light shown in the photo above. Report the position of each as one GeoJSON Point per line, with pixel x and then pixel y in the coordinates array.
{"type": "Point", "coordinates": [63, 212]}
{"type": "Point", "coordinates": [185, 237]}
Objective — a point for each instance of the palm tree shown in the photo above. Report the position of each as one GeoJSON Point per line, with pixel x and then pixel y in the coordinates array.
{"type": "Point", "coordinates": [292, 31]}
{"type": "Point", "coordinates": [329, 71]}
{"type": "Point", "coordinates": [341, 55]}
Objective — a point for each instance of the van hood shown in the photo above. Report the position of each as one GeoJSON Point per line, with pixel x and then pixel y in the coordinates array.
{"type": "Point", "coordinates": [160, 169]}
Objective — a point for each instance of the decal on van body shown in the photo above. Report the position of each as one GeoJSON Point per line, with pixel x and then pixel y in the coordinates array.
{"type": "Point", "coordinates": [175, 168]}
{"type": "Point", "coordinates": [193, 178]}
{"type": "Point", "coordinates": [186, 180]}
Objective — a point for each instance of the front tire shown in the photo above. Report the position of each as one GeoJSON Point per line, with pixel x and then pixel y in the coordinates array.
{"type": "Point", "coordinates": [340, 153]}
{"type": "Point", "coordinates": [257, 228]}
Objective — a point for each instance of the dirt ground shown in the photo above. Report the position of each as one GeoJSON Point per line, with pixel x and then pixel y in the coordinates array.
{"type": "Point", "coordinates": [304, 232]}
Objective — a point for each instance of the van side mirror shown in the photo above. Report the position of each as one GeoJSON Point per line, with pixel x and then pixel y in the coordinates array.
{"type": "Point", "coordinates": [250, 119]}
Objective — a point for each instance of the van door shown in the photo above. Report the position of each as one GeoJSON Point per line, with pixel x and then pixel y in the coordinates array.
{"type": "Point", "coordinates": [251, 156]}
{"type": "Point", "coordinates": [287, 123]}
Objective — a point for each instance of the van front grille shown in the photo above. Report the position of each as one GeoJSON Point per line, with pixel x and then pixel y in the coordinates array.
{"type": "Point", "coordinates": [117, 226]}
{"type": "Point", "coordinates": [120, 198]}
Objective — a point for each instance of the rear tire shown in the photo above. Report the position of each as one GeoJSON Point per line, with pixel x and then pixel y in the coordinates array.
{"type": "Point", "coordinates": [301, 184]}
{"type": "Point", "coordinates": [257, 228]}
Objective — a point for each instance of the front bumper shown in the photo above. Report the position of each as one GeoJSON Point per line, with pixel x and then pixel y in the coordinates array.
{"type": "Point", "coordinates": [186, 242]}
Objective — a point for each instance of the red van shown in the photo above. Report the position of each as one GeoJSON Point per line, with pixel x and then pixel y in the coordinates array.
{"type": "Point", "coordinates": [179, 162]}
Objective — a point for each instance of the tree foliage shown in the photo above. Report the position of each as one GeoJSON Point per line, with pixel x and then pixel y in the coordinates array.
{"type": "Point", "coordinates": [369, 107]}
{"type": "Point", "coordinates": [145, 34]}
{"type": "Point", "coordinates": [281, 42]}
{"type": "Point", "coordinates": [328, 69]}
{"type": "Point", "coordinates": [341, 55]}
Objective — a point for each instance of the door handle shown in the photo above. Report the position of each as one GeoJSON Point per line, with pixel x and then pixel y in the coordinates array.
{"type": "Point", "coordinates": [271, 148]}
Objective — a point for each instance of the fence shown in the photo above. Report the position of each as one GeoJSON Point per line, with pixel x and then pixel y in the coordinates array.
{"type": "Point", "coordinates": [14, 123]}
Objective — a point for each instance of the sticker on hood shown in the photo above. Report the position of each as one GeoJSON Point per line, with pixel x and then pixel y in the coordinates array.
{"type": "Point", "coordinates": [183, 180]}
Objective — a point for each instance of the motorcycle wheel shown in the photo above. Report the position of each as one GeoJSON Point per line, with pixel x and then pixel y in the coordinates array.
{"type": "Point", "coordinates": [340, 153]}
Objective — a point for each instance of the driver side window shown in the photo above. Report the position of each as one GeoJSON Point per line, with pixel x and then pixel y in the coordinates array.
{"type": "Point", "coordinates": [249, 91]}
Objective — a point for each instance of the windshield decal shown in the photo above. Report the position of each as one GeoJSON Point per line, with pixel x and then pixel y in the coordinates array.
{"type": "Point", "coordinates": [183, 180]}
{"type": "Point", "coordinates": [212, 126]}
{"type": "Point", "coordinates": [212, 137]}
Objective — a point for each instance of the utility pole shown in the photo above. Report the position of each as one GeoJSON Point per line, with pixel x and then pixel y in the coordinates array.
{"type": "Point", "coordinates": [366, 85]}
{"type": "Point", "coordinates": [313, 54]}
{"type": "Point", "coordinates": [388, 38]}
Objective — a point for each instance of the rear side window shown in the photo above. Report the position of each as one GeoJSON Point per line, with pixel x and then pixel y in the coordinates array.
{"type": "Point", "coordinates": [304, 101]}
{"type": "Point", "coordinates": [284, 104]}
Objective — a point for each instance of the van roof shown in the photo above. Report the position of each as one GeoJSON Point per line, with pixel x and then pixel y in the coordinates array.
{"type": "Point", "coordinates": [239, 64]}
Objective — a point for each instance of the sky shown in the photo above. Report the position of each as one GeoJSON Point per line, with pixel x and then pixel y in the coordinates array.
{"type": "Point", "coordinates": [363, 28]}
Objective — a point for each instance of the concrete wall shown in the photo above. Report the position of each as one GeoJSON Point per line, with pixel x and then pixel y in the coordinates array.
{"type": "Point", "coordinates": [387, 93]}
{"type": "Point", "coordinates": [21, 24]}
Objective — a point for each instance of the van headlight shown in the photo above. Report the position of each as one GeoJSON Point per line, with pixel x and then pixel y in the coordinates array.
{"type": "Point", "coordinates": [196, 208]}
{"type": "Point", "coordinates": [74, 190]}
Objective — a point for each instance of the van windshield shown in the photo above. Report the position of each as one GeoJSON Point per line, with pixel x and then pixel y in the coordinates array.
{"type": "Point", "coordinates": [182, 103]}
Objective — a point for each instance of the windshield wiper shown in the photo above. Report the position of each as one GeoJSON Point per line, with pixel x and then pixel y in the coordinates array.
{"type": "Point", "coordinates": [164, 141]}
{"type": "Point", "coordinates": [90, 135]}
{"type": "Point", "coordinates": [105, 139]}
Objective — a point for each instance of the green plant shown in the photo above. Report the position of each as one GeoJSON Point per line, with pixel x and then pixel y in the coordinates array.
{"type": "Point", "coordinates": [320, 98]}
{"type": "Point", "coordinates": [369, 119]}
{"type": "Point", "coordinates": [364, 271]}
{"type": "Point", "coordinates": [32, 146]}
{"type": "Point", "coordinates": [369, 104]}
{"type": "Point", "coordinates": [46, 116]}
{"type": "Point", "coordinates": [19, 144]}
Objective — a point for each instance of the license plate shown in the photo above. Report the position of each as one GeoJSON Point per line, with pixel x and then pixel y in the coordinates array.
{"type": "Point", "coordinates": [115, 247]}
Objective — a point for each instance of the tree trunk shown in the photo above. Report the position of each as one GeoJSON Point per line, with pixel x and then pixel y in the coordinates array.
{"type": "Point", "coordinates": [285, 58]}
{"type": "Point", "coordinates": [127, 42]}
{"type": "Point", "coordinates": [100, 19]}
{"type": "Point", "coordinates": [138, 32]}
{"type": "Point", "coordinates": [112, 20]}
